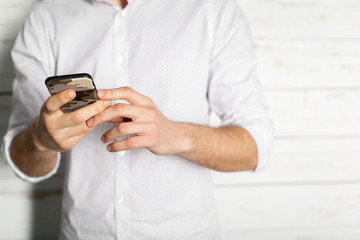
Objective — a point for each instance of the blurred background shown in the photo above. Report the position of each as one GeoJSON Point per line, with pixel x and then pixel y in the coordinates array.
{"type": "Point", "coordinates": [309, 67]}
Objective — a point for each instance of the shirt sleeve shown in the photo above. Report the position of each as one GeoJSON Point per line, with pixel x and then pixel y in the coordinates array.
{"type": "Point", "coordinates": [32, 61]}
{"type": "Point", "coordinates": [234, 91]}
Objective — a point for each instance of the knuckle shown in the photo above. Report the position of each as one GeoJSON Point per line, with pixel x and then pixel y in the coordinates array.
{"type": "Point", "coordinates": [98, 119]}
{"type": "Point", "coordinates": [49, 126]}
{"type": "Point", "coordinates": [120, 128]}
{"type": "Point", "coordinates": [149, 101]}
{"type": "Point", "coordinates": [151, 112]}
{"type": "Point", "coordinates": [47, 106]}
{"type": "Point", "coordinates": [126, 90]}
{"type": "Point", "coordinates": [123, 128]}
{"type": "Point", "coordinates": [130, 143]}
{"type": "Point", "coordinates": [119, 107]}
{"type": "Point", "coordinates": [99, 106]}
{"type": "Point", "coordinates": [84, 129]}
{"type": "Point", "coordinates": [56, 136]}
{"type": "Point", "coordinates": [77, 118]}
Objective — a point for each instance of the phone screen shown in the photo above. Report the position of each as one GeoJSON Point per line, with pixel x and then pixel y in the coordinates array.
{"type": "Point", "coordinates": [82, 83]}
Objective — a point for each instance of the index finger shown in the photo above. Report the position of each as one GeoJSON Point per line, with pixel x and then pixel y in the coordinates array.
{"type": "Point", "coordinates": [54, 102]}
{"type": "Point", "coordinates": [91, 110]}
{"type": "Point", "coordinates": [125, 93]}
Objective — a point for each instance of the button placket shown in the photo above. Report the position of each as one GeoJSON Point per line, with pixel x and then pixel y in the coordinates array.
{"type": "Point", "coordinates": [120, 60]}
{"type": "Point", "coordinates": [122, 212]}
{"type": "Point", "coordinates": [121, 153]}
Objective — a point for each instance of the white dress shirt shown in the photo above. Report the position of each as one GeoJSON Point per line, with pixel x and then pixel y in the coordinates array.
{"type": "Point", "coordinates": [190, 57]}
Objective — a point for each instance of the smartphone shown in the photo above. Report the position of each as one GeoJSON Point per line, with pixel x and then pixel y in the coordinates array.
{"type": "Point", "coordinates": [82, 83]}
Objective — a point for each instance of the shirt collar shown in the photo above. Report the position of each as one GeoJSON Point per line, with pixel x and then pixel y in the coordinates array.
{"type": "Point", "coordinates": [106, 0]}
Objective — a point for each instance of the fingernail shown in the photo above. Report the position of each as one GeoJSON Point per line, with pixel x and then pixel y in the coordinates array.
{"type": "Point", "coordinates": [109, 148]}
{"type": "Point", "coordinates": [90, 121]}
{"type": "Point", "coordinates": [101, 93]}
{"type": "Point", "coordinates": [70, 94]}
{"type": "Point", "coordinates": [107, 103]}
{"type": "Point", "coordinates": [103, 139]}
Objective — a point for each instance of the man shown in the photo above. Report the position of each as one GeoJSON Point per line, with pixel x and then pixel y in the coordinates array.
{"type": "Point", "coordinates": [162, 65]}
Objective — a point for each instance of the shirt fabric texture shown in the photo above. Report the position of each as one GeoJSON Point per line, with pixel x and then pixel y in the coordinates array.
{"type": "Point", "coordinates": [189, 57]}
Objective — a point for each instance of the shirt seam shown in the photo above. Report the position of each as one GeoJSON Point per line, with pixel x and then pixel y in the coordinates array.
{"type": "Point", "coordinates": [45, 33]}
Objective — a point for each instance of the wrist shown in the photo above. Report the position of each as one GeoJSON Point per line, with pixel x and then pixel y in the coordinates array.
{"type": "Point", "coordinates": [185, 138]}
{"type": "Point", "coordinates": [35, 139]}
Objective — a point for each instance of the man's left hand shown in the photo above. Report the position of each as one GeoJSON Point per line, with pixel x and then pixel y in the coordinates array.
{"type": "Point", "coordinates": [151, 129]}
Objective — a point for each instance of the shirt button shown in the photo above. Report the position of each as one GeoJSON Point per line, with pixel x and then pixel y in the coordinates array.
{"type": "Point", "coordinates": [121, 199]}
{"type": "Point", "coordinates": [121, 153]}
{"type": "Point", "coordinates": [120, 60]}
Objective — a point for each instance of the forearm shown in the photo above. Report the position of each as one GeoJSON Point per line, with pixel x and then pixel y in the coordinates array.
{"type": "Point", "coordinates": [226, 149]}
{"type": "Point", "coordinates": [29, 156]}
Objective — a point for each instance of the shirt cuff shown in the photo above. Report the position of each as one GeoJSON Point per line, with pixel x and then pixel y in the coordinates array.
{"type": "Point", "coordinates": [263, 141]}
{"type": "Point", "coordinates": [5, 148]}
{"type": "Point", "coordinates": [262, 133]}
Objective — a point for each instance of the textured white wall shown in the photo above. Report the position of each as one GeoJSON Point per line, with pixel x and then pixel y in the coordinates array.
{"type": "Point", "coordinates": [309, 56]}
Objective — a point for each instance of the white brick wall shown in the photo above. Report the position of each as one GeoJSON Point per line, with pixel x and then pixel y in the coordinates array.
{"type": "Point", "coordinates": [309, 55]}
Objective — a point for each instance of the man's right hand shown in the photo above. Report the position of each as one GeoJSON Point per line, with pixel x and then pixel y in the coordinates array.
{"type": "Point", "coordinates": [58, 131]}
